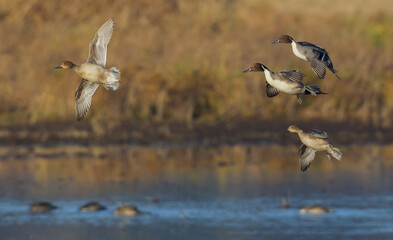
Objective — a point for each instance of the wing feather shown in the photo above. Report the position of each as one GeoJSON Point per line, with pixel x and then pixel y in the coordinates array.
{"type": "Point", "coordinates": [98, 46]}
{"type": "Point", "coordinates": [319, 134]}
{"type": "Point", "coordinates": [306, 155]}
{"type": "Point", "coordinates": [271, 91]}
{"type": "Point", "coordinates": [83, 96]}
{"type": "Point", "coordinates": [313, 46]}
{"type": "Point", "coordinates": [319, 67]}
{"type": "Point", "coordinates": [292, 75]}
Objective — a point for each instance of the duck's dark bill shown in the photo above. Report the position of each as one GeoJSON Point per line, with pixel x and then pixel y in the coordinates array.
{"type": "Point", "coordinates": [277, 41]}
{"type": "Point", "coordinates": [248, 70]}
{"type": "Point", "coordinates": [57, 67]}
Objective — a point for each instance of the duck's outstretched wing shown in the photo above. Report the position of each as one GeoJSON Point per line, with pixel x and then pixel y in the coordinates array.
{"type": "Point", "coordinates": [318, 58]}
{"type": "Point", "coordinates": [98, 46]}
{"type": "Point", "coordinates": [83, 96]}
{"type": "Point", "coordinates": [293, 75]}
{"type": "Point", "coordinates": [319, 134]}
{"type": "Point", "coordinates": [319, 67]}
{"type": "Point", "coordinates": [271, 91]}
{"type": "Point", "coordinates": [306, 155]}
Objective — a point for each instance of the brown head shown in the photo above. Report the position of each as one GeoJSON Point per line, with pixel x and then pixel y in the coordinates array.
{"type": "Point", "coordinates": [65, 65]}
{"type": "Point", "coordinates": [256, 68]}
{"type": "Point", "coordinates": [284, 39]}
{"type": "Point", "coordinates": [294, 129]}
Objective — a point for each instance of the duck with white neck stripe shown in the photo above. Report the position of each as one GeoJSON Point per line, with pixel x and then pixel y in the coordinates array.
{"type": "Point", "coordinates": [288, 81]}
{"type": "Point", "coordinates": [316, 55]}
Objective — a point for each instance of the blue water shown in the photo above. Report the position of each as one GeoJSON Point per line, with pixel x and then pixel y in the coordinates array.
{"type": "Point", "coordinates": [206, 200]}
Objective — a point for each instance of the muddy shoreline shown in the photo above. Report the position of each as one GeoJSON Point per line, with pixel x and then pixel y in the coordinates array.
{"type": "Point", "coordinates": [251, 131]}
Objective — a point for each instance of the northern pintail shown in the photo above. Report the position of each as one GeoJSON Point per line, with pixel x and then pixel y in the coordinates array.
{"type": "Point", "coordinates": [127, 210]}
{"type": "Point", "coordinates": [316, 55]}
{"type": "Point", "coordinates": [288, 81]}
{"type": "Point", "coordinates": [313, 141]}
{"type": "Point", "coordinates": [42, 207]}
{"type": "Point", "coordinates": [315, 209]}
{"type": "Point", "coordinates": [92, 207]}
{"type": "Point", "coordinates": [93, 72]}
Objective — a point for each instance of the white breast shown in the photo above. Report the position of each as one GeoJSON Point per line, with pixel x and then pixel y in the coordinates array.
{"type": "Point", "coordinates": [91, 72]}
{"type": "Point", "coordinates": [296, 51]}
{"type": "Point", "coordinates": [283, 86]}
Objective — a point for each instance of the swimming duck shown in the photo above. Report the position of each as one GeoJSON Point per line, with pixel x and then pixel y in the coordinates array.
{"type": "Point", "coordinates": [92, 207]}
{"type": "Point", "coordinates": [93, 72]}
{"type": "Point", "coordinates": [313, 141]}
{"type": "Point", "coordinates": [315, 209]}
{"type": "Point", "coordinates": [316, 55]}
{"type": "Point", "coordinates": [127, 210]}
{"type": "Point", "coordinates": [41, 207]}
{"type": "Point", "coordinates": [288, 81]}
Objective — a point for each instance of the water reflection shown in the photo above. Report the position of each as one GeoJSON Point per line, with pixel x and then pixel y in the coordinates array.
{"type": "Point", "coordinates": [225, 169]}
{"type": "Point", "coordinates": [231, 191]}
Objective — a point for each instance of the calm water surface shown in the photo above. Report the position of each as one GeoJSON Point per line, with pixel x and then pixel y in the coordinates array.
{"type": "Point", "coordinates": [224, 192]}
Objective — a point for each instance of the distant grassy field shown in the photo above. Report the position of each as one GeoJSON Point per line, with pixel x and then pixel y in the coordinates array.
{"type": "Point", "coordinates": [182, 60]}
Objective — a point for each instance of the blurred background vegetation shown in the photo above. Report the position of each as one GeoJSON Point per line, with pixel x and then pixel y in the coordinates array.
{"type": "Point", "coordinates": [181, 61]}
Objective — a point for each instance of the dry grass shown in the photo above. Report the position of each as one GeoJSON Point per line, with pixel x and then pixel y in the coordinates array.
{"type": "Point", "coordinates": [182, 60]}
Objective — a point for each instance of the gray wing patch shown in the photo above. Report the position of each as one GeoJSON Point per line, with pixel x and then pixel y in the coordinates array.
{"type": "Point", "coordinates": [98, 46]}
{"type": "Point", "coordinates": [83, 96]}
{"type": "Point", "coordinates": [306, 155]}
{"type": "Point", "coordinates": [313, 46]}
{"type": "Point", "coordinates": [271, 91]}
{"type": "Point", "coordinates": [292, 75]}
{"type": "Point", "coordinates": [319, 134]}
{"type": "Point", "coordinates": [319, 67]}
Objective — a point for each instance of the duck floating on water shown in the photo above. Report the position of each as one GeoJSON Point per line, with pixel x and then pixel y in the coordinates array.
{"type": "Point", "coordinates": [315, 209]}
{"type": "Point", "coordinates": [42, 207]}
{"type": "Point", "coordinates": [288, 81]}
{"type": "Point", "coordinates": [316, 55]}
{"type": "Point", "coordinates": [92, 207]}
{"type": "Point", "coordinates": [127, 210]}
{"type": "Point", "coordinates": [93, 72]}
{"type": "Point", "coordinates": [313, 141]}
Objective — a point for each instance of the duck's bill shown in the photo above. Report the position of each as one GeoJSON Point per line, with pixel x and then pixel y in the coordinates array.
{"type": "Point", "coordinates": [277, 41]}
{"type": "Point", "coordinates": [57, 67]}
{"type": "Point", "coordinates": [248, 70]}
{"type": "Point", "coordinates": [285, 131]}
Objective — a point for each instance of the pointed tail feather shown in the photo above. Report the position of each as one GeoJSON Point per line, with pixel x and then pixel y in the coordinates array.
{"type": "Point", "coordinates": [313, 90]}
{"type": "Point", "coordinates": [331, 68]}
{"type": "Point", "coordinates": [114, 80]}
{"type": "Point", "coordinates": [337, 76]}
{"type": "Point", "coordinates": [334, 152]}
{"type": "Point", "coordinates": [334, 71]}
